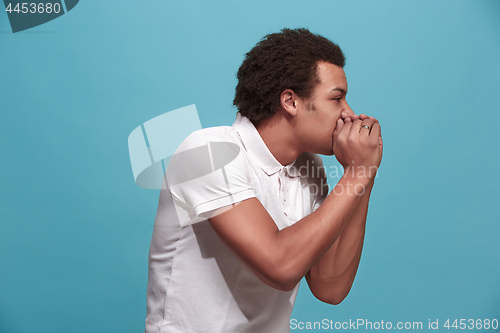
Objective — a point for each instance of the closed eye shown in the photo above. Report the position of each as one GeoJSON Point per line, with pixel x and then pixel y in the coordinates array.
{"type": "Point", "coordinates": [338, 99]}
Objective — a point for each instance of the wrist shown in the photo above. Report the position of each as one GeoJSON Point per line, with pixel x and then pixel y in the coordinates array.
{"type": "Point", "coordinates": [354, 184]}
{"type": "Point", "coordinates": [360, 174]}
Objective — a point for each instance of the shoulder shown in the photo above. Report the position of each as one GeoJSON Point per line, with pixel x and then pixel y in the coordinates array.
{"type": "Point", "coordinates": [206, 173]}
{"type": "Point", "coordinates": [205, 136]}
{"type": "Point", "coordinates": [203, 152]}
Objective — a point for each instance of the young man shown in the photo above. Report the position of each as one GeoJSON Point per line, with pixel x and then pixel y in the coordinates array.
{"type": "Point", "coordinates": [234, 235]}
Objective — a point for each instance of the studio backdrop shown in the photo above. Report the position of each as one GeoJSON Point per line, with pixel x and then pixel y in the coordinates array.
{"type": "Point", "coordinates": [74, 84]}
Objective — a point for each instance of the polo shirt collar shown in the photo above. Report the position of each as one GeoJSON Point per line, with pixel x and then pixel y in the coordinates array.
{"type": "Point", "coordinates": [253, 143]}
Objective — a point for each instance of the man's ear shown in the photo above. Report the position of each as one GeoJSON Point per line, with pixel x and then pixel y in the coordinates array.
{"type": "Point", "coordinates": [289, 102]}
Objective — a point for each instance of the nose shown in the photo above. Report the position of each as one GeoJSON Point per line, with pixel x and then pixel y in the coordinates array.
{"type": "Point", "coordinates": [347, 112]}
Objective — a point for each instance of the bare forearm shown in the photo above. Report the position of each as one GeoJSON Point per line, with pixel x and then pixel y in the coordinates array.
{"type": "Point", "coordinates": [345, 248]}
{"type": "Point", "coordinates": [332, 276]}
{"type": "Point", "coordinates": [303, 244]}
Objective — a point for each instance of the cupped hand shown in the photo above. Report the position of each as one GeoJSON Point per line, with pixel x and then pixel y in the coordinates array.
{"type": "Point", "coordinates": [357, 143]}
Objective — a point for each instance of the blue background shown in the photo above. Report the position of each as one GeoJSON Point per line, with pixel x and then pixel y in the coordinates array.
{"type": "Point", "coordinates": [75, 229]}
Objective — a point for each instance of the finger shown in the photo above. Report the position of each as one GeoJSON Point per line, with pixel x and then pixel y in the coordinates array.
{"type": "Point", "coordinates": [376, 130]}
{"type": "Point", "coordinates": [366, 126]}
{"type": "Point", "coordinates": [338, 128]}
{"type": "Point", "coordinates": [363, 116]}
{"type": "Point", "coordinates": [368, 122]}
{"type": "Point", "coordinates": [347, 126]}
{"type": "Point", "coordinates": [354, 117]}
{"type": "Point", "coordinates": [356, 125]}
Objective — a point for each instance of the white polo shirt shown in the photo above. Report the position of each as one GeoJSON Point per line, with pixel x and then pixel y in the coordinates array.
{"type": "Point", "coordinates": [196, 284]}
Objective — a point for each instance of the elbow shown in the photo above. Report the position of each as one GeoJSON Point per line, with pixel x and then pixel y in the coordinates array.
{"type": "Point", "coordinates": [333, 299]}
{"type": "Point", "coordinates": [331, 290]}
{"type": "Point", "coordinates": [279, 271]}
{"type": "Point", "coordinates": [331, 296]}
{"type": "Point", "coordinates": [282, 279]}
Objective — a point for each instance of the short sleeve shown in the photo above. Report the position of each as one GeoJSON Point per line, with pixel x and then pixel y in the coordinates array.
{"type": "Point", "coordinates": [207, 172]}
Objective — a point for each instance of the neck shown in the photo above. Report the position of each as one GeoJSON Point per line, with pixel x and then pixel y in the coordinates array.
{"type": "Point", "coordinates": [278, 135]}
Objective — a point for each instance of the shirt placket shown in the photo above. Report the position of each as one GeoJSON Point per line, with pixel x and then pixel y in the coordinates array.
{"type": "Point", "coordinates": [284, 198]}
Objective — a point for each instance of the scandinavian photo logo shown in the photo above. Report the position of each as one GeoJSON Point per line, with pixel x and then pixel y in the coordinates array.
{"type": "Point", "coordinates": [26, 15]}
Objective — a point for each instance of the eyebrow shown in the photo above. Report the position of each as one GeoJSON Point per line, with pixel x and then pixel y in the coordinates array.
{"type": "Point", "coordinates": [339, 89]}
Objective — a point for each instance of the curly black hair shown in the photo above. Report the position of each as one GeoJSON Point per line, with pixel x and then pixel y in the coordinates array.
{"type": "Point", "coordinates": [285, 60]}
